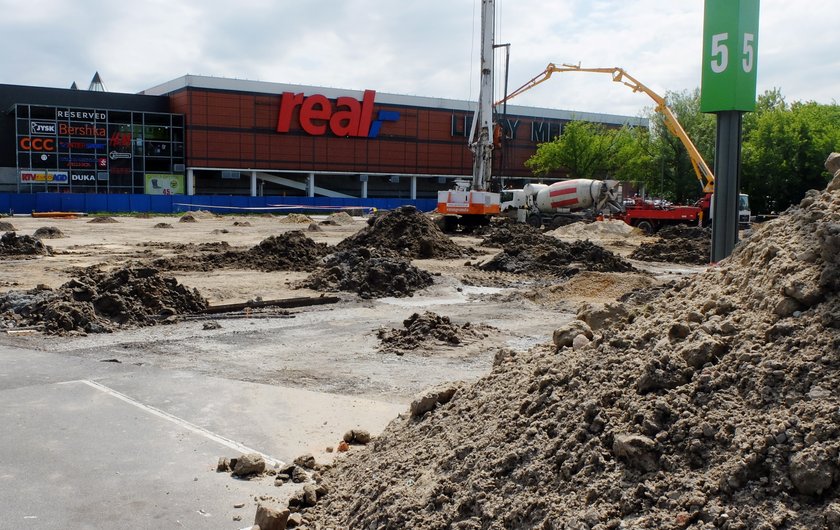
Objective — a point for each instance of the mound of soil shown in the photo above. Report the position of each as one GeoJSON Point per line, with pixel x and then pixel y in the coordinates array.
{"type": "Point", "coordinates": [608, 229]}
{"type": "Point", "coordinates": [6, 226]}
{"type": "Point", "coordinates": [97, 302]}
{"type": "Point", "coordinates": [678, 244]}
{"type": "Point", "coordinates": [406, 231]}
{"type": "Point", "coordinates": [188, 217]}
{"type": "Point", "coordinates": [370, 273]}
{"type": "Point", "coordinates": [526, 250]}
{"type": "Point", "coordinates": [290, 251]}
{"type": "Point", "coordinates": [338, 218]}
{"type": "Point", "coordinates": [427, 331]}
{"type": "Point", "coordinates": [48, 232]}
{"type": "Point", "coordinates": [163, 225]}
{"type": "Point", "coordinates": [103, 219]}
{"type": "Point", "coordinates": [241, 223]}
{"type": "Point", "coordinates": [12, 244]}
{"type": "Point", "coordinates": [296, 218]}
{"type": "Point", "coordinates": [714, 406]}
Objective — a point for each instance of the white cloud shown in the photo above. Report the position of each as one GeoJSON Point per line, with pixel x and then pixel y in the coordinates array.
{"type": "Point", "coordinates": [425, 48]}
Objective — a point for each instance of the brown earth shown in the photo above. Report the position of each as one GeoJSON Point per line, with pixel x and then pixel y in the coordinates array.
{"type": "Point", "coordinates": [712, 403]}
{"type": "Point", "coordinates": [12, 244]}
{"type": "Point", "coordinates": [678, 244]}
{"type": "Point", "coordinates": [429, 332]}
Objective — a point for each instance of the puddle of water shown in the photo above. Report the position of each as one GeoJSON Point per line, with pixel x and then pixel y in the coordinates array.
{"type": "Point", "coordinates": [459, 297]}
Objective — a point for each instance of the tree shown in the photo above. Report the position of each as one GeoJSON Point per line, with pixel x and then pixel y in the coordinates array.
{"type": "Point", "coordinates": [589, 150]}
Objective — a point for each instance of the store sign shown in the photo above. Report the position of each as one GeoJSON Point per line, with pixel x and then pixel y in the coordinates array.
{"type": "Point", "coordinates": [37, 144]}
{"type": "Point", "coordinates": [42, 128]}
{"type": "Point", "coordinates": [348, 117]}
{"type": "Point", "coordinates": [65, 129]}
{"type": "Point", "coordinates": [53, 177]}
{"type": "Point", "coordinates": [80, 114]}
{"type": "Point", "coordinates": [83, 178]}
{"type": "Point", "coordinates": [164, 184]}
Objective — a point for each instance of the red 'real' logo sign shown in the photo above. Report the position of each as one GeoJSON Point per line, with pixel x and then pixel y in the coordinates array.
{"type": "Point", "coordinates": [350, 117]}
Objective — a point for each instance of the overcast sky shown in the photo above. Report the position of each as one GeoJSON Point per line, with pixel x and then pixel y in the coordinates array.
{"type": "Point", "coordinates": [427, 48]}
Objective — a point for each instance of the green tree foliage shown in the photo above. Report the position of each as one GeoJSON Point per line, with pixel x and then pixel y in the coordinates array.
{"type": "Point", "coordinates": [589, 150]}
{"type": "Point", "coordinates": [784, 149]}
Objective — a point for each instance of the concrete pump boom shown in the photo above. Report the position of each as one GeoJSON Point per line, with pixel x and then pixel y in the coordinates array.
{"type": "Point", "coordinates": [701, 169]}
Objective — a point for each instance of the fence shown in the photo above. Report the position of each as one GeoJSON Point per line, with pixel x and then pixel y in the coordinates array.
{"type": "Point", "coordinates": [25, 203]}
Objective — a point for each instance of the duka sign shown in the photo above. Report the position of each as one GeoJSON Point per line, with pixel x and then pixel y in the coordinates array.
{"type": "Point", "coordinates": [348, 117]}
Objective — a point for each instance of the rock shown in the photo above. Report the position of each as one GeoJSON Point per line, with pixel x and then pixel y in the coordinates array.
{"type": "Point", "coordinates": [598, 317]}
{"type": "Point", "coordinates": [812, 471]}
{"type": "Point", "coordinates": [358, 436]}
{"type": "Point", "coordinates": [249, 464]}
{"type": "Point", "coordinates": [343, 446]}
{"type": "Point", "coordinates": [701, 350]}
{"type": "Point", "coordinates": [306, 461]}
{"type": "Point", "coordinates": [636, 451]}
{"type": "Point", "coordinates": [580, 342]}
{"type": "Point", "coordinates": [565, 336]}
{"type": "Point", "coordinates": [268, 518]}
{"type": "Point", "coordinates": [299, 475]}
{"type": "Point", "coordinates": [223, 465]}
{"type": "Point", "coordinates": [310, 496]}
{"type": "Point", "coordinates": [831, 514]}
{"type": "Point", "coordinates": [211, 325]}
{"type": "Point", "coordinates": [428, 400]}
{"type": "Point", "coordinates": [295, 520]}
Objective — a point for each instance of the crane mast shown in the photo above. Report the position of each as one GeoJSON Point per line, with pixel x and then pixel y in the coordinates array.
{"type": "Point", "coordinates": [481, 137]}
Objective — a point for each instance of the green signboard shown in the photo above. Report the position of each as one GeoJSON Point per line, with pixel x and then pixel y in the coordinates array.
{"type": "Point", "coordinates": [730, 54]}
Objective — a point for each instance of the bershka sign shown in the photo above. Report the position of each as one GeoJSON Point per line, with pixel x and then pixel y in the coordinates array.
{"type": "Point", "coordinates": [348, 117]}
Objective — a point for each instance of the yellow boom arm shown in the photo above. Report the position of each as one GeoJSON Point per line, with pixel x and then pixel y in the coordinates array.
{"type": "Point", "coordinates": [701, 169]}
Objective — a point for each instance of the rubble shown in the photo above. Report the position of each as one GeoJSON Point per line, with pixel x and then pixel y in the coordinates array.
{"type": "Point", "coordinates": [678, 244]}
{"type": "Point", "coordinates": [526, 250]}
{"type": "Point", "coordinates": [97, 301]}
{"type": "Point", "coordinates": [427, 331]}
{"type": "Point", "coordinates": [370, 273]}
{"type": "Point", "coordinates": [48, 232]}
{"type": "Point", "coordinates": [103, 219]}
{"type": "Point", "coordinates": [12, 244]}
{"type": "Point", "coordinates": [406, 231]}
{"type": "Point", "coordinates": [710, 404]}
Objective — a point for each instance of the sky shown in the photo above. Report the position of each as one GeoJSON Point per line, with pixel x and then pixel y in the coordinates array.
{"type": "Point", "coordinates": [426, 48]}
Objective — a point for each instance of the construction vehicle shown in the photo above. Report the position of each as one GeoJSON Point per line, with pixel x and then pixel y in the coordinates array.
{"type": "Point", "coordinates": [561, 203]}
{"type": "Point", "coordinates": [471, 204]}
{"type": "Point", "coordinates": [701, 168]}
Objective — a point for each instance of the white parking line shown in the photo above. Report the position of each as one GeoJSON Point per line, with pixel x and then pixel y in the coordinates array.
{"type": "Point", "coordinates": [178, 421]}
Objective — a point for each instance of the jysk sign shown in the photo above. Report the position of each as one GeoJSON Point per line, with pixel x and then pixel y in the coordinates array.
{"type": "Point", "coordinates": [730, 54]}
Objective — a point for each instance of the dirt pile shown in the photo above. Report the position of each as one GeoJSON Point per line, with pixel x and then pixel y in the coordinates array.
{"type": "Point", "coordinates": [296, 218]}
{"type": "Point", "coordinates": [428, 331]}
{"type": "Point", "coordinates": [163, 225]}
{"type": "Point", "coordinates": [338, 219]}
{"type": "Point", "coordinates": [711, 405]}
{"type": "Point", "coordinates": [12, 244]}
{"type": "Point", "coordinates": [370, 273]}
{"type": "Point", "coordinates": [48, 232]}
{"type": "Point", "coordinates": [6, 226]}
{"type": "Point", "coordinates": [188, 217]}
{"type": "Point", "coordinates": [407, 231]}
{"type": "Point", "coordinates": [678, 244]}
{"type": "Point", "coordinates": [103, 219]}
{"type": "Point", "coordinates": [526, 250]}
{"type": "Point", "coordinates": [598, 230]}
{"type": "Point", "coordinates": [289, 251]}
{"type": "Point", "coordinates": [98, 301]}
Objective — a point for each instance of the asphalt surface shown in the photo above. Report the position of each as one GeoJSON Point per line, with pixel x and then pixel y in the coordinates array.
{"type": "Point", "coordinates": [87, 444]}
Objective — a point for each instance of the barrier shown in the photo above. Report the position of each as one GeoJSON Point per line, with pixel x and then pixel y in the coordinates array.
{"type": "Point", "coordinates": [25, 203]}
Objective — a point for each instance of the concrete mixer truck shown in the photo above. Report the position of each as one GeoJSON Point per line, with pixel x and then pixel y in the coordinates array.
{"type": "Point", "coordinates": [561, 203]}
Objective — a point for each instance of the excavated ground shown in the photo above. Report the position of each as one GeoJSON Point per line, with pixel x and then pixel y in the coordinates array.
{"type": "Point", "coordinates": [711, 403]}
{"type": "Point", "coordinates": [678, 244]}
{"type": "Point", "coordinates": [429, 332]}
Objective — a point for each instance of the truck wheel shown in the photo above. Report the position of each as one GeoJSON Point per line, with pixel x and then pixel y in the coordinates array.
{"type": "Point", "coordinates": [448, 223]}
{"type": "Point", "coordinates": [534, 220]}
{"type": "Point", "coordinates": [646, 227]}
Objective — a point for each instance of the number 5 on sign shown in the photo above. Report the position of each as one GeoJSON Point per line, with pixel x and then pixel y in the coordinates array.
{"type": "Point", "coordinates": [730, 40]}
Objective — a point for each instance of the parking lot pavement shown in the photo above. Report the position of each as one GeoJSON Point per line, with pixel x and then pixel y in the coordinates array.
{"type": "Point", "coordinates": [94, 445]}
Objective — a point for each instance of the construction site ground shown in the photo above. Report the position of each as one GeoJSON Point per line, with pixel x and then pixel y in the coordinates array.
{"type": "Point", "coordinates": [110, 427]}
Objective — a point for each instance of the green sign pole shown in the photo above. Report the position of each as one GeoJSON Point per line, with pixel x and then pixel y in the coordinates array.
{"type": "Point", "coordinates": [730, 56]}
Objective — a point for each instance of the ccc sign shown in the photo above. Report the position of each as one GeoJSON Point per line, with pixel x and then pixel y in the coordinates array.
{"type": "Point", "coordinates": [37, 144]}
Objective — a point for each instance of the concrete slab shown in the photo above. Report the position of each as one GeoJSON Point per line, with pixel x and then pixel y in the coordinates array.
{"type": "Point", "coordinates": [97, 445]}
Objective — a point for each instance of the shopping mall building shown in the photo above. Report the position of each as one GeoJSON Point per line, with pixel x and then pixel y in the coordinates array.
{"type": "Point", "coordinates": [213, 137]}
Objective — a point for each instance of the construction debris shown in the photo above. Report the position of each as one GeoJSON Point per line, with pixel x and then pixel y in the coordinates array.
{"type": "Point", "coordinates": [427, 331]}
{"type": "Point", "coordinates": [370, 273]}
{"type": "Point", "coordinates": [678, 244]}
{"type": "Point", "coordinates": [406, 231]}
{"type": "Point", "coordinates": [712, 404]}
{"type": "Point", "coordinates": [48, 232]}
{"type": "Point", "coordinates": [98, 301]}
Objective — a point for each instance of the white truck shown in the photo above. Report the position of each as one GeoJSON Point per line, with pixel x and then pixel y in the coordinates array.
{"type": "Point", "coordinates": [561, 203]}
